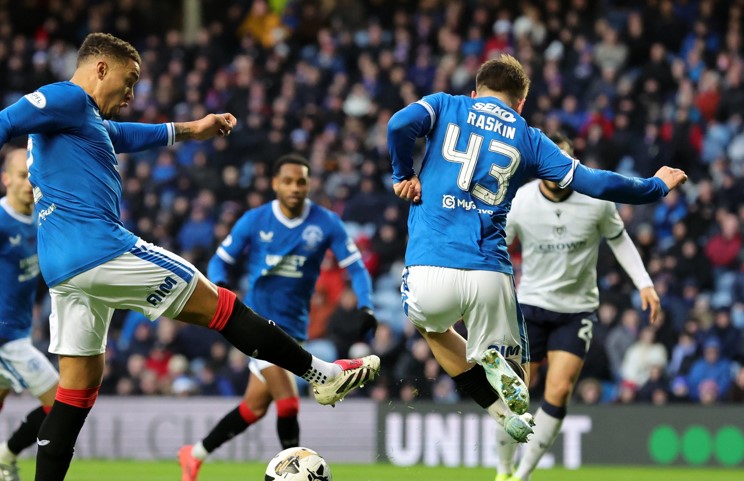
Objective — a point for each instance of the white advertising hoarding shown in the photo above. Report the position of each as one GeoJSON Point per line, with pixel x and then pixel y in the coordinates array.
{"type": "Point", "coordinates": [155, 427]}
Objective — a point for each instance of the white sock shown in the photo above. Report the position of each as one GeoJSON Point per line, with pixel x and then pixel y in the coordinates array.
{"type": "Point", "coordinates": [6, 455]}
{"type": "Point", "coordinates": [199, 452]}
{"type": "Point", "coordinates": [505, 447]}
{"type": "Point", "coordinates": [321, 371]}
{"type": "Point", "coordinates": [498, 410]}
{"type": "Point", "coordinates": [547, 428]}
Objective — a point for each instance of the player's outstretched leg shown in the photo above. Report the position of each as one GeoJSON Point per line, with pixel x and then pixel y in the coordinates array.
{"type": "Point", "coordinates": [260, 338]}
{"type": "Point", "coordinates": [474, 383]}
{"type": "Point", "coordinates": [507, 383]}
{"type": "Point", "coordinates": [354, 373]}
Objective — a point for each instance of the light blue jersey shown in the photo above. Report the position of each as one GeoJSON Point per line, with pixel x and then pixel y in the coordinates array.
{"type": "Point", "coordinates": [73, 170]}
{"type": "Point", "coordinates": [19, 266]}
{"type": "Point", "coordinates": [281, 258]}
{"type": "Point", "coordinates": [478, 152]}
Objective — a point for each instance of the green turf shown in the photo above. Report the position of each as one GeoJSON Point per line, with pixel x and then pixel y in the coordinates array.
{"type": "Point", "coordinates": [83, 470]}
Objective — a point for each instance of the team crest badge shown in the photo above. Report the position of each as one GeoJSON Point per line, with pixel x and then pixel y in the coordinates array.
{"type": "Point", "coordinates": [559, 230]}
{"type": "Point", "coordinates": [313, 236]}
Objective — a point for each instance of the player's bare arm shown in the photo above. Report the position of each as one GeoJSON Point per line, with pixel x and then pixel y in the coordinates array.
{"type": "Point", "coordinates": [672, 177]}
{"type": "Point", "coordinates": [212, 125]}
{"type": "Point", "coordinates": [650, 300]}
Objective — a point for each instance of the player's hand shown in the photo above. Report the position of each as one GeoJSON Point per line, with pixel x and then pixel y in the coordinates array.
{"type": "Point", "coordinates": [368, 326]}
{"type": "Point", "coordinates": [650, 300]}
{"type": "Point", "coordinates": [213, 125]}
{"type": "Point", "coordinates": [409, 189]}
{"type": "Point", "coordinates": [671, 177]}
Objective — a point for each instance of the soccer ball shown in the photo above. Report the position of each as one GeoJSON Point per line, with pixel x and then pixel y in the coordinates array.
{"type": "Point", "coordinates": [298, 464]}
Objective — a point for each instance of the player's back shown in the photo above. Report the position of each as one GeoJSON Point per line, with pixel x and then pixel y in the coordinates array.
{"type": "Point", "coordinates": [479, 151]}
{"type": "Point", "coordinates": [19, 265]}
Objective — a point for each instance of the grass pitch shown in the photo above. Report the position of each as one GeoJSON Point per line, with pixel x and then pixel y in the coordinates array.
{"type": "Point", "coordinates": [85, 470]}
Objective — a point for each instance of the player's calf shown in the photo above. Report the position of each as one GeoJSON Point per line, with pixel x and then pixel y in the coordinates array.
{"type": "Point", "coordinates": [60, 430]}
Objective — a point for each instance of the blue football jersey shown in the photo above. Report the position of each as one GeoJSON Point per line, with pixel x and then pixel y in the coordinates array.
{"type": "Point", "coordinates": [478, 152]}
{"type": "Point", "coordinates": [73, 170]}
{"type": "Point", "coordinates": [281, 258]}
{"type": "Point", "coordinates": [19, 266]}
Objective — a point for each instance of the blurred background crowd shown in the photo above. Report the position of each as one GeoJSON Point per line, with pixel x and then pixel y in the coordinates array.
{"type": "Point", "coordinates": [634, 84]}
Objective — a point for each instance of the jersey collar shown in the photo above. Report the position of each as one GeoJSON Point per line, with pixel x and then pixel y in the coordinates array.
{"type": "Point", "coordinates": [26, 219]}
{"type": "Point", "coordinates": [539, 190]}
{"type": "Point", "coordinates": [290, 223]}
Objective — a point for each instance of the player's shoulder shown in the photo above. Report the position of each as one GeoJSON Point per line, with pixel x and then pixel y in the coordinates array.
{"type": "Point", "coordinates": [441, 96]}
{"type": "Point", "coordinates": [524, 197]}
{"type": "Point", "coordinates": [5, 220]}
{"type": "Point", "coordinates": [527, 190]}
{"type": "Point", "coordinates": [250, 216]}
{"type": "Point", "coordinates": [58, 92]}
{"type": "Point", "coordinates": [6, 217]}
{"type": "Point", "coordinates": [318, 212]}
{"type": "Point", "coordinates": [588, 201]}
{"type": "Point", "coordinates": [534, 135]}
{"type": "Point", "coordinates": [530, 186]}
{"type": "Point", "coordinates": [441, 99]}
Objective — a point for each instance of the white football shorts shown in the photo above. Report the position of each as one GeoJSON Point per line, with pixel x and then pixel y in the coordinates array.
{"type": "Point", "coordinates": [258, 365]}
{"type": "Point", "coordinates": [23, 367]}
{"type": "Point", "coordinates": [147, 279]}
{"type": "Point", "coordinates": [435, 298]}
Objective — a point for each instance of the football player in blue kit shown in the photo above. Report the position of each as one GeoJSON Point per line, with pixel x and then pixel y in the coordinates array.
{"type": "Point", "coordinates": [280, 247]}
{"type": "Point", "coordinates": [479, 150]}
{"type": "Point", "coordinates": [22, 366]}
{"type": "Point", "coordinates": [93, 265]}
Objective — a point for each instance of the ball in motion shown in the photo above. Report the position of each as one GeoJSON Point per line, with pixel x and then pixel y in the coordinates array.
{"type": "Point", "coordinates": [298, 464]}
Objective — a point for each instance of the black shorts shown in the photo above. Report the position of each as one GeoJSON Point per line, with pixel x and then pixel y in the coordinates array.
{"type": "Point", "coordinates": [555, 331]}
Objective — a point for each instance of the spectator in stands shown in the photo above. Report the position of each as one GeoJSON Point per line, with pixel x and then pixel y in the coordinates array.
{"type": "Point", "coordinates": [642, 357]}
{"type": "Point", "coordinates": [724, 248]}
{"type": "Point", "coordinates": [620, 338]}
{"type": "Point", "coordinates": [728, 336]}
{"type": "Point", "coordinates": [710, 376]}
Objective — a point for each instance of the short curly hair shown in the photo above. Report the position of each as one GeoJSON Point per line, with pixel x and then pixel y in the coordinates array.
{"type": "Point", "coordinates": [289, 159]}
{"type": "Point", "coordinates": [106, 45]}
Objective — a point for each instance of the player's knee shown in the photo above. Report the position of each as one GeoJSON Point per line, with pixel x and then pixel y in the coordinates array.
{"type": "Point", "coordinates": [559, 390]}
{"type": "Point", "coordinates": [252, 413]}
{"type": "Point", "coordinates": [288, 407]}
{"type": "Point", "coordinates": [422, 331]}
{"type": "Point", "coordinates": [79, 398]}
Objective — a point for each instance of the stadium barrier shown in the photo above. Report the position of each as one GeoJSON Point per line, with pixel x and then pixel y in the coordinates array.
{"type": "Point", "coordinates": [462, 435]}
{"type": "Point", "coordinates": [360, 431]}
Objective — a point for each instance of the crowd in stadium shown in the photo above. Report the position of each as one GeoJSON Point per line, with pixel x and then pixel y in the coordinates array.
{"type": "Point", "coordinates": [635, 85]}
